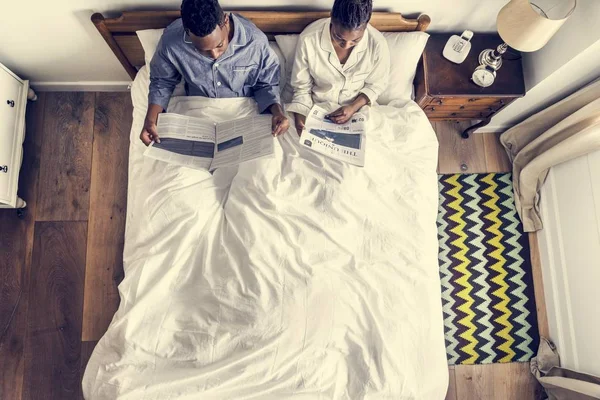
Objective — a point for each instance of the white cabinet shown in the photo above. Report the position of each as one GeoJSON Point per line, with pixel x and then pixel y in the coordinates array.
{"type": "Point", "coordinates": [13, 102]}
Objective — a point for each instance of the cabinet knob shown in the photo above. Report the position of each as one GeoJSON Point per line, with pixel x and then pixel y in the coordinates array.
{"type": "Point", "coordinates": [462, 107]}
{"type": "Point", "coordinates": [10, 103]}
{"type": "Point", "coordinates": [4, 169]}
{"type": "Point", "coordinates": [440, 102]}
{"type": "Point", "coordinates": [432, 109]}
{"type": "Point", "coordinates": [453, 114]}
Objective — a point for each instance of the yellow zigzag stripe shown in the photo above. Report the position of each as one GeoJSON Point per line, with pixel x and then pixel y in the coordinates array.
{"type": "Point", "coordinates": [465, 274]}
{"type": "Point", "coordinates": [500, 279]}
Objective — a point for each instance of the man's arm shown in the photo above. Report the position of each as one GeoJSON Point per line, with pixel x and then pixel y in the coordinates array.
{"type": "Point", "coordinates": [163, 79]}
{"type": "Point", "coordinates": [266, 90]}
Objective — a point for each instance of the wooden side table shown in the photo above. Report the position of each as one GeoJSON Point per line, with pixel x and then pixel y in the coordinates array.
{"type": "Point", "coordinates": [445, 92]}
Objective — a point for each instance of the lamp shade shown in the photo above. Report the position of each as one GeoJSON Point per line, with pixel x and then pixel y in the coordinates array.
{"type": "Point", "coordinates": [525, 26]}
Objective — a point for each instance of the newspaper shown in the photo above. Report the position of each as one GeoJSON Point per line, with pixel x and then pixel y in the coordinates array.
{"type": "Point", "coordinates": [344, 142]}
{"type": "Point", "coordinates": [202, 144]}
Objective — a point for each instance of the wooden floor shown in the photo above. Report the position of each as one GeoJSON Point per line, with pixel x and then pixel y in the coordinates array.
{"type": "Point", "coordinates": [60, 266]}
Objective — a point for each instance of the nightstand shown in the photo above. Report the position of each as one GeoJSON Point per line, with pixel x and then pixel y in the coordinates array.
{"type": "Point", "coordinates": [14, 93]}
{"type": "Point", "coordinates": [445, 92]}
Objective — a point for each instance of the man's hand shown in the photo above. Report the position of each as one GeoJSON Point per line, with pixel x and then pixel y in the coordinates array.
{"type": "Point", "coordinates": [342, 114]}
{"type": "Point", "coordinates": [149, 132]}
{"type": "Point", "coordinates": [299, 120]}
{"type": "Point", "coordinates": [280, 125]}
{"type": "Point", "coordinates": [279, 122]}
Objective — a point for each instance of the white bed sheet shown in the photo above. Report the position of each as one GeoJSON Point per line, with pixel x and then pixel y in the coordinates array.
{"type": "Point", "coordinates": [294, 277]}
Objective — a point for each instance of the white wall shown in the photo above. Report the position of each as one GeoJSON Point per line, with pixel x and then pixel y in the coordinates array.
{"type": "Point", "coordinates": [579, 32]}
{"type": "Point", "coordinates": [54, 41]}
{"type": "Point", "coordinates": [570, 255]}
{"type": "Point", "coordinates": [568, 62]}
{"type": "Point", "coordinates": [578, 72]}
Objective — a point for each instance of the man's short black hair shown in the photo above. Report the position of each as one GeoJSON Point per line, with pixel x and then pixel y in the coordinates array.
{"type": "Point", "coordinates": [352, 14]}
{"type": "Point", "coordinates": [201, 17]}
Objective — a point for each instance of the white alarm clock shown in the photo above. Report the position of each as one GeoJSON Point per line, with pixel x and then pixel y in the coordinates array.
{"type": "Point", "coordinates": [483, 76]}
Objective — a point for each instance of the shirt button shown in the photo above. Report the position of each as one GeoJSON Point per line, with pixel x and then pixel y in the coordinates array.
{"type": "Point", "coordinates": [218, 83]}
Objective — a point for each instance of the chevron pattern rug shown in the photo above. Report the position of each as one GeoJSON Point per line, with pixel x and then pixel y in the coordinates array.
{"type": "Point", "coordinates": [485, 269]}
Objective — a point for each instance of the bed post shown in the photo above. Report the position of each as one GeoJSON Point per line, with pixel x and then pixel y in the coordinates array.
{"type": "Point", "coordinates": [423, 22]}
{"type": "Point", "coordinates": [98, 20]}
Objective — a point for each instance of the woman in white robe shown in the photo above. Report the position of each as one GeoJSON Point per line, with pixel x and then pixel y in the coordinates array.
{"type": "Point", "coordinates": [341, 60]}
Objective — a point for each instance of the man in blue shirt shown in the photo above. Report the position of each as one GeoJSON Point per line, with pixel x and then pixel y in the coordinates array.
{"type": "Point", "coordinates": [219, 55]}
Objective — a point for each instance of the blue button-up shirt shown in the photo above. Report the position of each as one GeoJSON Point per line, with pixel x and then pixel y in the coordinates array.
{"type": "Point", "coordinates": [248, 68]}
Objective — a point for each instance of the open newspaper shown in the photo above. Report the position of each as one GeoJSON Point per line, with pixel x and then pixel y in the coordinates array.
{"type": "Point", "coordinates": [344, 142]}
{"type": "Point", "coordinates": [202, 144]}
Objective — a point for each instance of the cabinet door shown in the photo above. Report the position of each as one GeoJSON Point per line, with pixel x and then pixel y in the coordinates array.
{"type": "Point", "coordinates": [10, 150]}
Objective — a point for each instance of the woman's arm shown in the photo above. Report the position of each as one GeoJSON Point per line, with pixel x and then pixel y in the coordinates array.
{"type": "Point", "coordinates": [377, 80]}
{"type": "Point", "coordinates": [301, 81]}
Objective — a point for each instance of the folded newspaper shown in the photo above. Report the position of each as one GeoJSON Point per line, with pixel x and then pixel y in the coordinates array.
{"type": "Point", "coordinates": [344, 142]}
{"type": "Point", "coordinates": [201, 144]}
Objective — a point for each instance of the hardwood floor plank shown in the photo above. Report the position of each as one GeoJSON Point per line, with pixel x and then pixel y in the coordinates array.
{"type": "Point", "coordinates": [108, 203]}
{"type": "Point", "coordinates": [53, 345]}
{"type": "Point", "coordinates": [511, 381]}
{"type": "Point", "coordinates": [86, 352]}
{"type": "Point", "coordinates": [16, 243]}
{"type": "Point", "coordinates": [451, 394]}
{"type": "Point", "coordinates": [538, 286]}
{"type": "Point", "coordinates": [496, 159]}
{"type": "Point", "coordinates": [457, 155]}
{"type": "Point", "coordinates": [66, 156]}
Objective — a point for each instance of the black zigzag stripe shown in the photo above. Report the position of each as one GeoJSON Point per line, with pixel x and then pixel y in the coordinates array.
{"type": "Point", "coordinates": [487, 224]}
{"type": "Point", "coordinates": [509, 264]}
{"type": "Point", "coordinates": [458, 301]}
{"type": "Point", "coordinates": [451, 237]}
{"type": "Point", "coordinates": [476, 287]}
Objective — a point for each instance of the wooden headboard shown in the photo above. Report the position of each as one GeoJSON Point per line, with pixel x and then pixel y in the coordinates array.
{"type": "Point", "coordinates": [119, 33]}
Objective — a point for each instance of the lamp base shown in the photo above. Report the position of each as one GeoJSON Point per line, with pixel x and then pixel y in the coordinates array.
{"type": "Point", "coordinates": [493, 58]}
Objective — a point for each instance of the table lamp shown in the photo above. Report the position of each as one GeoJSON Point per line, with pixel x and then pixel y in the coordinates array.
{"type": "Point", "coordinates": [526, 25]}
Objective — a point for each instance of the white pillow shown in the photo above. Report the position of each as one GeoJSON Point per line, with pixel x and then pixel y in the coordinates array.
{"type": "Point", "coordinates": [149, 39]}
{"type": "Point", "coordinates": [406, 49]}
{"type": "Point", "coordinates": [287, 45]}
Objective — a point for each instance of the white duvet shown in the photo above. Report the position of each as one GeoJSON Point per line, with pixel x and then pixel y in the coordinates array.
{"type": "Point", "coordinates": [293, 277]}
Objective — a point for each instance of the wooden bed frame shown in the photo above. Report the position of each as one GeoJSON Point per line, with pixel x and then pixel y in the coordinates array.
{"type": "Point", "coordinates": [119, 33]}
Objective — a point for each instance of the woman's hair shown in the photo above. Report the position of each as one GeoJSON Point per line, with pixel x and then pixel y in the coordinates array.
{"type": "Point", "coordinates": [201, 17]}
{"type": "Point", "coordinates": [352, 14]}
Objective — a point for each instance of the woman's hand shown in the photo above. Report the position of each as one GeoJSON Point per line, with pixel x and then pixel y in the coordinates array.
{"type": "Point", "coordinates": [300, 120]}
{"type": "Point", "coordinates": [342, 114]}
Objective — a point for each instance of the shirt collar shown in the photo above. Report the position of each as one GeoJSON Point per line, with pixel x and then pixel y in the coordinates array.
{"type": "Point", "coordinates": [239, 32]}
{"type": "Point", "coordinates": [239, 38]}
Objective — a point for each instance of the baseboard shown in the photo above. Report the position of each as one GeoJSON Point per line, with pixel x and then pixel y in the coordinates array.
{"type": "Point", "coordinates": [84, 86]}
